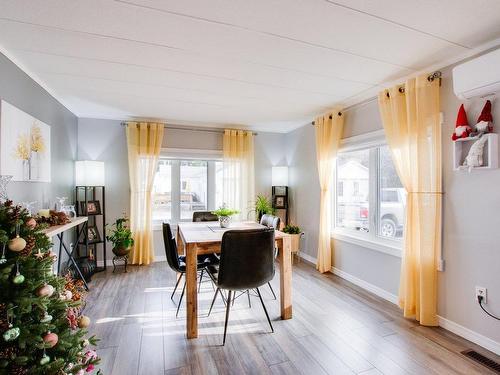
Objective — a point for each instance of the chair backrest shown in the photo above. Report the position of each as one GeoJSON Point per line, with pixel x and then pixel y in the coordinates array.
{"type": "Point", "coordinates": [199, 216]}
{"type": "Point", "coordinates": [170, 248]}
{"type": "Point", "coordinates": [246, 259]}
{"type": "Point", "coordinates": [270, 221]}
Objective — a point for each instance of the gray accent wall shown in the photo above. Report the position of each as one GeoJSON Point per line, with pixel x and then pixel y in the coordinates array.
{"type": "Point", "coordinates": [18, 89]}
{"type": "Point", "coordinates": [471, 235]}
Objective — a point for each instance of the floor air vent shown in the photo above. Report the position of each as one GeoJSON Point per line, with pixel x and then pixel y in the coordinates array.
{"type": "Point", "coordinates": [481, 359]}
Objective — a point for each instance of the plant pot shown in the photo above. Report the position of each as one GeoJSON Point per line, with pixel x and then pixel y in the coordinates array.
{"type": "Point", "coordinates": [121, 250]}
{"type": "Point", "coordinates": [224, 221]}
{"type": "Point", "coordinates": [295, 243]}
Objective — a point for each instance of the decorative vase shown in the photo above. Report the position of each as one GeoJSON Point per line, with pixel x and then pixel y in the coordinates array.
{"type": "Point", "coordinates": [121, 250]}
{"type": "Point", "coordinates": [34, 166]}
{"type": "Point", "coordinates": [26, 170]}
{"type": "Point", "coordinates": [224, 221]}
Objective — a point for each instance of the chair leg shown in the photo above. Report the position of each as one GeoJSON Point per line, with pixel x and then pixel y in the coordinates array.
{"type": "Point", "coordinates": [272, 290]}
{"type": "Point", "coordinates": [265, 310]}
{"type": "Point", "coordinates": [213, 301]}
{"type": "Point", "coordinates": [201, 279]}
{"type": "Point", "coordinates": [180, 301]}
{"type": "Point", "coordinates": [228, 307]}
{"type": "Point", "coordinates": [176, 285]}
{"type": "Point", "coordinates": [248, 295]}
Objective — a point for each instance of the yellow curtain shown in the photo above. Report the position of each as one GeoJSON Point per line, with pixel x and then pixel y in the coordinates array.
{"type": "Point", "coordinates": [238, 171]}
{"type": "Point", "coordinates": [328, 136]}
{"type": "Point", "coordinates": [411, 118]}
{"type": "Point", "coordinates": [144, 145]}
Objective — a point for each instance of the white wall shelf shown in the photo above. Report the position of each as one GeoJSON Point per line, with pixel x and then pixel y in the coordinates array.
{"type": "Point", "coordinates": [462, 146]}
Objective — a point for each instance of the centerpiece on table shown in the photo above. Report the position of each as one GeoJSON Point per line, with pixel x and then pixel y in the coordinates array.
{"type": "Point", "coordinates": [120, 236]}
{"type": "Point", "coordinates": [224, 214]}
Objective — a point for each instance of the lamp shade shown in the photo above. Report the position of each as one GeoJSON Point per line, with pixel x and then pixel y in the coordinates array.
{"type": "Point", "coordinates": [280, 176]}
{"type": "Point", "coordinates": [89, 173]}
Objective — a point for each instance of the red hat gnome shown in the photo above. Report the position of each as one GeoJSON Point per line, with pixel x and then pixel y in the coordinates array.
{"type": "Point", "coordinates": [462, 128]}
{"type": "Point", "coordinates": [485, 120]}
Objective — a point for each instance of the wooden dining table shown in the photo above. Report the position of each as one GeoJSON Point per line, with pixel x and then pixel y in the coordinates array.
{"type": "Point", "coordinates": [205, 238]}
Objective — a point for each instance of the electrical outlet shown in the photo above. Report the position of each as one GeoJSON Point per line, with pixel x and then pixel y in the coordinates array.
{"type": "Point", "coordinates": [481, 291]}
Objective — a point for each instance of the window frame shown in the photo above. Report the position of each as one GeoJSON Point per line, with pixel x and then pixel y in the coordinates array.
{"type": "Point", "coordinates": [371, 239]}
{"type": "Point", "coordinates": [177, 156]}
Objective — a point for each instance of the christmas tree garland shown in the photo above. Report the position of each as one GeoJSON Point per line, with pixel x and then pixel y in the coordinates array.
{"type": "Point", "coordinates": [42, 330]}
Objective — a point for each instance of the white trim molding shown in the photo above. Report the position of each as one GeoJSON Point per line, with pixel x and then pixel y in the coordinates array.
{"type": "Point", "coordinates": [470, 335]}
{"type": "Point", "coordinates": [308, 258]}
{"type": "Point", "coordinates": [382, 293]}
{"type": "Point", "coordinates": [389, 247]}
{"type": "Point", "coordinates": [366, 140]}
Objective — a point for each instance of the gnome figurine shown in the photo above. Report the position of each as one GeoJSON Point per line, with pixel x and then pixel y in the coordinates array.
{"type": "Point", "coordinates": [462, 128]}
{"type": "Point", "coordinates": [485, 120]}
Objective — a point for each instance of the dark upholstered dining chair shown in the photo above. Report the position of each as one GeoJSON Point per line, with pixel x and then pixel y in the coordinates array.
{"type": "Point", "coordinates": [271, 221]}
{"type": "Point", "coordinates": [246, 262]}
{"type": "Point", "coordinates": [200, 216]}
{"type": "Point", "coordinates": [178, 263]}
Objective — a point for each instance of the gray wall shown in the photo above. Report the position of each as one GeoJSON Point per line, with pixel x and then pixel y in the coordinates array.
{"type": "Point", "coordinates": [105, 140]}
{"type": "Point", "coordinates": [20, 90]}
{"type": "Point", "coordinates": [470, 221]}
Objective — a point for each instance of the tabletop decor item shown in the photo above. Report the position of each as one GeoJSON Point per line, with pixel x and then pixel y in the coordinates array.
{"type": "Point", "coordinates": [224, 214]}
{"type": "Point", "coordinates": [37, 336]}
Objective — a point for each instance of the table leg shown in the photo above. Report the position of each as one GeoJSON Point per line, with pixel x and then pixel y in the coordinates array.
{"type": "Point", "coordinates": [191, 292]}
{"type": "Point", "coordinates": [285, 257]}
{"type": "Point", "coordinates": [60, 236]}
{"type": "Point", "coordinates": [180, 244]}
{"type": "Point", "coordinates": [70, 255]}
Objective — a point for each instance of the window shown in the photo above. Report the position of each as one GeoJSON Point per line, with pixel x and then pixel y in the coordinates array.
{"type": "Point", "coordinates": [183, 186]}
{"type": "Point", "coordinates": [370, 200]}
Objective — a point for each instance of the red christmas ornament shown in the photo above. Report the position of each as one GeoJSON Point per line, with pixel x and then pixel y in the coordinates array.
{"type": "Point", "coordinates": [462, 127]}
{"type": "Point", "coordinates": [51, 339]}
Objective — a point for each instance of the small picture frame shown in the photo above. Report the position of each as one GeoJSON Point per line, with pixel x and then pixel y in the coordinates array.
{"type": "Point", "coordinates": [279, 201]}
{"type": "Point", "coordinates": [93, 234]}
{"type": "Point", "coordinates": [91, 208]}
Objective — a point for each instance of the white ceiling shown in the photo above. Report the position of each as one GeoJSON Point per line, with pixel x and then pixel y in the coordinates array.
{"type": "Point", "coordinates": [264, 64]}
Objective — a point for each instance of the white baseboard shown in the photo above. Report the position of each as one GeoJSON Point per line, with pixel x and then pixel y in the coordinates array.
{"type": "Point", "coordinates": [366, 285]}
{"type": "Point", "coordinates": [470, 335]}
{"type": "Point", "coordinates": [308, 258]}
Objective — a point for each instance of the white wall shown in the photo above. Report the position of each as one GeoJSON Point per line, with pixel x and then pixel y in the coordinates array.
{"type": "Point", "coordinates": [470, 223]}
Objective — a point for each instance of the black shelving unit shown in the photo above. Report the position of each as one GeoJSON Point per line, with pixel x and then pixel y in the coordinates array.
{"type": "Point", "coordinates": [280, 200]}
{"type": "Point", "coordinates": [83, 196]}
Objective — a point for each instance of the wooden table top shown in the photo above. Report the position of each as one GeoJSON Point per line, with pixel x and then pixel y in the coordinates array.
{"type": "Point", "coordinates": [211, 232]}
{"type": "Point", "coordinates": [57, 229]}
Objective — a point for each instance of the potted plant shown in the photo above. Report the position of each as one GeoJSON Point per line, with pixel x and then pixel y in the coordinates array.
{"type": "Point", "coordinates": [295, 233]}
{"type": "Point", "coordinates": [224, 214]}
{"type": "Point", "coordinates": [120, 236]}
{"type": "Point", "coordinates": [263, 205]}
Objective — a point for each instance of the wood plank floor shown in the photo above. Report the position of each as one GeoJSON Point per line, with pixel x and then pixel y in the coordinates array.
{"type": "Point", "coordinates": [337, 328]}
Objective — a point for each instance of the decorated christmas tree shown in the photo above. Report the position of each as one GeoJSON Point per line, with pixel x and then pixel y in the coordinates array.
{"type": "Point", "coordinates": [42, 330]}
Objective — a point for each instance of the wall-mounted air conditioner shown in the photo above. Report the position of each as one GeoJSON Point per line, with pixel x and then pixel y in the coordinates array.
{"type": "Point", "coordinates": [478, 77]}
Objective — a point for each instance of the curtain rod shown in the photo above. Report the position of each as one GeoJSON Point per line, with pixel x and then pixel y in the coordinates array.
{"type": "Point", "coordinates": [431, 77]}
{"type": "Point", "coordinates": [208, 130]}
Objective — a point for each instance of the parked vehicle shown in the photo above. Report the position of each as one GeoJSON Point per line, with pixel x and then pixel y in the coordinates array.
{"type": "Point", "coordinates": [354, 215]}
{"type": "Point", "coordinates": [392, 212]}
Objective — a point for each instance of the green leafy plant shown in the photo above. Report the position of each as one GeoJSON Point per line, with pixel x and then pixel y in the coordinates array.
{"type": "Point", "coordinates": [263, 206]}
{"type": "Point", "coordinates": [224, 211]}
{"type": "Point", "coordinates": [291, 229]}
{"type": "Point", "coordinates": [120, 234]}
